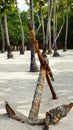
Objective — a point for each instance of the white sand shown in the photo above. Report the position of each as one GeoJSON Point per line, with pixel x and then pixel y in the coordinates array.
{"type": "Point", "coordinates": [17, 86]}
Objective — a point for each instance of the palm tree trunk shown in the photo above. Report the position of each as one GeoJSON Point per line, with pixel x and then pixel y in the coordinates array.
{"type": "Point", "coordinates": [54, 27]}
{"type": "Point", "coordinates": [6, 30]}
{"type": "Point", "coordinates": [48, 32]}
{"type": "Point", "coordinates": [2, 31]}
{"type": "Point", "coordinates": [66, 34]}
{"type": "Point", "coordinates": [22, 30]}
{"type": "Point", "coordinates": [55, 31]}
{"type": "Point", "coordinates": [43, 27]}
{"type": "Point", "coordinates": [9, 54]}
{"type": "Point", "coordinates": [33, 66]}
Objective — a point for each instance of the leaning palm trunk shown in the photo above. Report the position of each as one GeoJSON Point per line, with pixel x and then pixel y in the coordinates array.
{"type": "Point", "coordinates": [33, 66]}
{"type": "Point", "coordinates": [2, 31]}
{"type": "Point", "coordinates": [22, 30]}
{"type": "Point", "coordinates": [9, 55]}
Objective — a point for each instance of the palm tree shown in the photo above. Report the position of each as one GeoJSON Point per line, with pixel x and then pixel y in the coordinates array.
{"type": "Point", "coordinates": [22, 30]}
{"type": "Point", "coordinates": [54, 31]}
{"type": "Point", "coordinates": [6, 5]}
{"type": "Point", "coordinates": [48, 31]}
{"type": "Point", "coordinates": [2, 31]}
{"type": "Point", "coordinates": [41, 3]}
{"type": "Point", "coordinates": [33, 66]}
{"type": "Point", "coordinates": [68, 5]}
{"type": "Point", "coordinates": [66, 33]}
{"type": "Point", "coordinates": [9, 54]}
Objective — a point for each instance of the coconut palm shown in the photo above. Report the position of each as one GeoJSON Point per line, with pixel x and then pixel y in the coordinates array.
{"type": "Point", "coordinates": [68, 5]}
{"type": "Point", "coordinates": [55, 30]}
{"type": "Point", "coordinates": [5, 6]}
{"type": "Point", "coordinates": [2, 31]}
{"type": "Point", "coordinates": [48, 31]}
{"type": "Point", "coordinates": [9, 54]}
{"type": "Point", "coordinates": [33, 66]}
{"type": "Point", "coordinates": [22, 30]}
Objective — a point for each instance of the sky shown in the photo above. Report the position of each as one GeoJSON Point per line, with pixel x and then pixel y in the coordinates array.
{"type": "Point", "coordinates": [22, 6]}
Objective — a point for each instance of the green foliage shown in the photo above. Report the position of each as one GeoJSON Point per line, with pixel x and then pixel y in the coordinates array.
{"type": "Point", "coordinates": [25, 19]}
{"type": "Point", "coordinates": [14, 27]}
{"type": "Point", "coordinates": [70, 30]}
{"type": "Point", "coordinates": [6, 5]}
